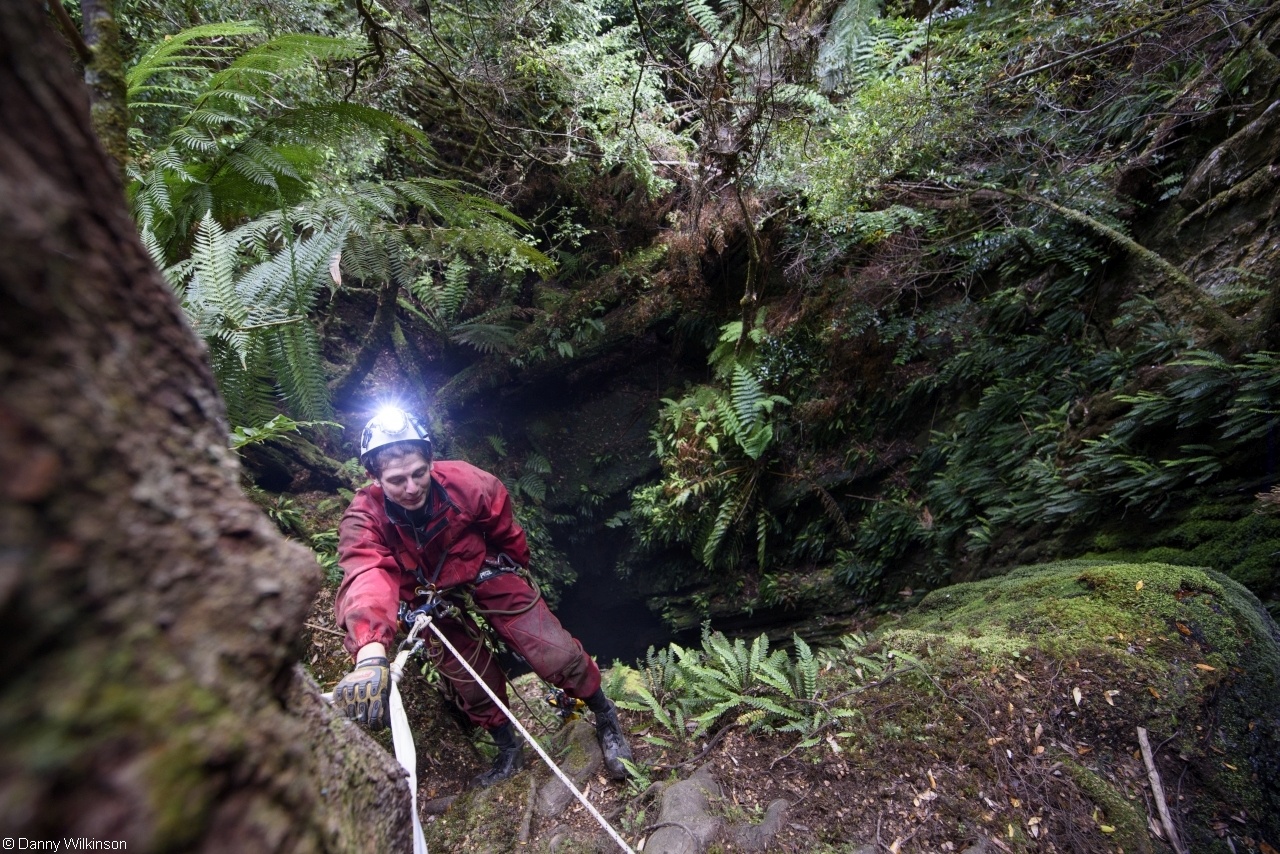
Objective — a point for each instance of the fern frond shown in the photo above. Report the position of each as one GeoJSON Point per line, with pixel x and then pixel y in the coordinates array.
{"type": "Point", "coordinates": [295, 360]}
{"type": "Point", "coordinates": [532, 485]}
{"type": "Point", "coordinates": [177, 54]}
{"type": "Point", "coordinates": [705, 17]}
{"type": "Point", "coordinates": [454, 291]}
{"type": "Point", "coordinates": [259, 67]}
{"type": "Point", "coordinates": [252, 169]}
{"type": "Point", "coordinates": [338, 120]}
{"type": "Point", "coordinates": [485, 337]}
{"type": "Point", "coordinates": [806, 669]}
{"type": "Point", "coordinates": [213, 274]}
{"type": "Point", "coordinates": [747, 396]}
{"type": "Point", "coordinates": [726, 515]}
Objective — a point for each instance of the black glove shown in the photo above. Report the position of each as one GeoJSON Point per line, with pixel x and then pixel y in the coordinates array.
{"type": "Point", "coordinates": [364, 694]}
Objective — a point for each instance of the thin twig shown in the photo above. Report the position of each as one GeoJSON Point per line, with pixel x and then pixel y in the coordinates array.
{"type": "Point", "coordinates": [715, 739]}
{"type": "Point", "coordinates": [1157, 792]}
{"type": "Point", "coordinates": [1182, 10]}
{"type": "Point", "coordinates": [325, 629]}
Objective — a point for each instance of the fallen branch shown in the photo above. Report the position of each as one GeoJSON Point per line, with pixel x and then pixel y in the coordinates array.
{"type": "Point", "coordinates": [1157, 792]}
{"type": "Point", "coordinates": [715, 739]}
{"type": "Point", "coordinates": [314, 627]}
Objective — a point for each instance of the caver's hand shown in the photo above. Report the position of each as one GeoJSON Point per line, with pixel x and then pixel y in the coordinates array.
{"type": "Point", "coordinates": [364, 693]}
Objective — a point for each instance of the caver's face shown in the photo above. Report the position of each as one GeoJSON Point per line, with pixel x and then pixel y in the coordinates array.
{"type": "Point", "coordinates": [406, 480]}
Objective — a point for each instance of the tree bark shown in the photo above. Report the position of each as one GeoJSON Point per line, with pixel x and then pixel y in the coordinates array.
{"type": "Point", "coordinates": [375, 341]}
{"type": "Point", "coordinates": [150, 693]}
{"type": "Point", "coordinates": [108, 92]}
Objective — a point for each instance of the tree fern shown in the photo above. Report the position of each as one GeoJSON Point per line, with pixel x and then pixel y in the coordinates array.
{"type": "Point", "coordinates": [706, 18]}
{"type": "Point", "coordinates": [485, 337]}
{"type": "Point", "coordinates": [848, 32]}
{"type": "Point", "coordinates": [260, 69]}
{"type": "Point", "coordinates": [179, 56]}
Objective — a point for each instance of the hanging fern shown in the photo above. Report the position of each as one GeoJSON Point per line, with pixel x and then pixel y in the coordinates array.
{"type": "Point", "coordinates": [255, 317]}
{"type": "Point", "coordinates": [748, 397]}
{"type": "Point", "coordinates": [844, 40]}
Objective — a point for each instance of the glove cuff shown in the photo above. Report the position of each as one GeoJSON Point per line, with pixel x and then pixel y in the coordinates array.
{"type": "Point", "coordinates": [375, 661]}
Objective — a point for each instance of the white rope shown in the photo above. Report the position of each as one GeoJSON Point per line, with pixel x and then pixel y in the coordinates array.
{"type": "Point", "coordinates": [406, 752]}
{"type": "Point", "coordinates": [424, 620]}
{"type": "Point", "coordinates": [402, 736]}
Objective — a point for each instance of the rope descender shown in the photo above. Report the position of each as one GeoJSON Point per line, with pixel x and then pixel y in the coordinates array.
{"type": "Point", "coordinates": [567, 708]}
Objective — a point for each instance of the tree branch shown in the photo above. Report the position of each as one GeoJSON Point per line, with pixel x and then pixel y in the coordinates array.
{"type": "Point", "coordinates": [1210, 313]}
{"type": "Point", "coordinates": [68, 28]}
{"type": "Point", "coordinates": [1177, 13]}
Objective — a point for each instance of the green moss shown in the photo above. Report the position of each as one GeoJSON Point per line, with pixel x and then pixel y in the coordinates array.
{"type": "Point", "coordinates": [1227, 536]}
{"type": "Point", "coordinates": [1200, 641]}
{"type": "Point", "coordinates": [1130, 825]}
{"type": "Point", "coordinates": [111, 701]}
{"type": "Point", "coordinates": [1065, 608]}
{"type": "Point", "coordinates": [481, 819]}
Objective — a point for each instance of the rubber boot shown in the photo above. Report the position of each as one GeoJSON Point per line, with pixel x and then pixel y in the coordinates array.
{"type": "Point", "coordinates": [509, 760]}
{"type": "Point", "coordinates": [613, 744]}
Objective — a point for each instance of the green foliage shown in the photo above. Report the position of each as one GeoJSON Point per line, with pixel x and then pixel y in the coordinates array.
{"type": "Point", "coordinates": [325, 545]}
{"type": "Point", "coordinates": [960, 362]}
{"type": "Point", "coordinates": [253, 314]}
{"type": "Point", "coordinates": [278, 428]}
{"type": "Point", "coordinates": [899, 125]}
{"type": "Point", "coordinates": [280, 509]}
{"type": "Point", "coordinates": [1028, 471]}
{"type": "Point", "coordinates": [689, 692]}
{"type": "Point", "coordinates": [227, 142]}
{"type": "Point", "coordinates": [860, 47]}
{"type": "Point", "coordinates": [713, 445]}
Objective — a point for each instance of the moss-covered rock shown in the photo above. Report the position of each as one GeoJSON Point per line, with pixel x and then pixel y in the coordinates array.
{"type": "Point", "coordinates": [1185, 652]}
{"type": "Point", "coordinates": [1225, 534]}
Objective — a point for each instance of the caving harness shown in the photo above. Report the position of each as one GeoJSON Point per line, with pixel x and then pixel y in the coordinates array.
{"type": "Point", "coordinates": [568, 708]}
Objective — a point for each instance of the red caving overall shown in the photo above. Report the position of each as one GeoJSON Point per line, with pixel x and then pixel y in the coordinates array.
{"type": "Point", "coordinates": [468, 519]}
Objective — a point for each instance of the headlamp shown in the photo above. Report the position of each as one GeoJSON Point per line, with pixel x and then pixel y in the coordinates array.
{"type": "Point", "coordinates": [391, 420]}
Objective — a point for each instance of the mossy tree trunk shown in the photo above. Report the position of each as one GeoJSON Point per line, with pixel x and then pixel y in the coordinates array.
{"type": "Point", "coordinates": [104, 73]}
{"type": "Point", "coordinates": [149, 688]}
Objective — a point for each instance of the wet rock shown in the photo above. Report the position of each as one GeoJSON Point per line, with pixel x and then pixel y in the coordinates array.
{"type": "Point", "coordinates": [579, 758]}
{"type": "Point", "coordinates": [685, 825]}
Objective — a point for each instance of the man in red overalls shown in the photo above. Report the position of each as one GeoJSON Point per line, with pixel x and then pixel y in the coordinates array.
{"type": "Point", "coordinates": [445, 526]}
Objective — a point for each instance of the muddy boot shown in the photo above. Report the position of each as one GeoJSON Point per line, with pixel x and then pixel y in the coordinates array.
{"type": "Point", "coordinates": [613, 744]}
{"type": "Point", "coordinates": [509, 760]}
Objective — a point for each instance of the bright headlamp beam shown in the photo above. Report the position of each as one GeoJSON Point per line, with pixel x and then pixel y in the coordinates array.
{"type": "Point", "coordinates": [391, 419]}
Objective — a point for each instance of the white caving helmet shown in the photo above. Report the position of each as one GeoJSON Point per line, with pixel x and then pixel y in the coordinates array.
{"type": "Point", "coordinates": [389, 426]}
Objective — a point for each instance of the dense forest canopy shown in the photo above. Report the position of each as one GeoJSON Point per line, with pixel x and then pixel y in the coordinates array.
{"type": "Point", "coordinates": [938, 288]}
